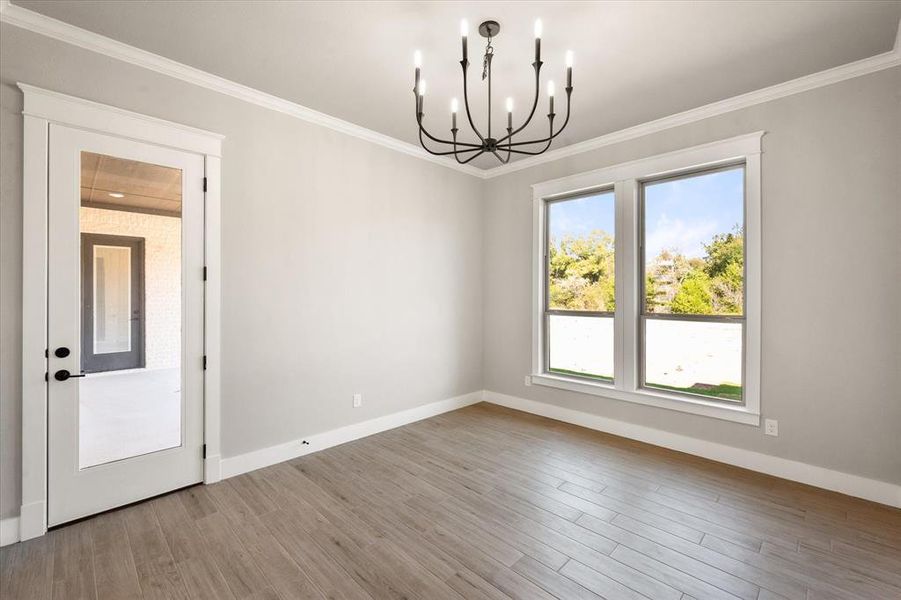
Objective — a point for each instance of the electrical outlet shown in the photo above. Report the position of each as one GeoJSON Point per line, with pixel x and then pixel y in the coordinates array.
{"type": "Point", "coordinates": [528, 380]}
{"type": "Point", "coordinates": [771, 427]}
{"type": "Point", "coordinates": [358, 400]}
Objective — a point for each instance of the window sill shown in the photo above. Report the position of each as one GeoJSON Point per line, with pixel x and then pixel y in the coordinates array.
{"type": "Point", "coordinates": [713, 409]}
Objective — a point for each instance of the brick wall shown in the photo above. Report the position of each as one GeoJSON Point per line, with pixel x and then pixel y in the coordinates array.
{"type": "Point", "coordinates": [162, 276]}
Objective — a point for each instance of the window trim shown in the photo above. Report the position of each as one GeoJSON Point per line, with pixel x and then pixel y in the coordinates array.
{"type": "Point", "coordinates": [626, 179]}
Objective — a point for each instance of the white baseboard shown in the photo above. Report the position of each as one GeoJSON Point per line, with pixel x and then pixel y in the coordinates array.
{"type": "Point", "coordinates": [32, 520]}
{"type": "Point", "coordinates": [242, 463]}
{"type": "Point", "coordinates": [212, 469]}
{"type": "Point", "coordinates": [9, 531]}
{"type": "Point", "coordinates": [845, 483]}
{"type": "Point", "coordinates": [13, 529]}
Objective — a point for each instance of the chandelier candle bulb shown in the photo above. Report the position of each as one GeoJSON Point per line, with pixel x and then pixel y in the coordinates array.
{"type": "Point", "coordinates": [550, 95]}
{"type": "Point", "coordinates": [454, 107]}
{"type": "Point", "coordinates": [569, 68]}
{"type": "Point", "coordinates": [509, 113]}
{"type": "Point", "coordinates": [464, 33]}
{"type": "Point", "coordinates": [421, 94]}
{"type": "Point", "coordinates": [417, 62]}
{"type": "Point", "coordinates": [538, 30]}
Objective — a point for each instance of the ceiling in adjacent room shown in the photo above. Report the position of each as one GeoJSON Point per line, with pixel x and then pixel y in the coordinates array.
{"type": "Point", "coordinates": [116, 183]}
{"type": "Point", "coordinates": [634, 61]}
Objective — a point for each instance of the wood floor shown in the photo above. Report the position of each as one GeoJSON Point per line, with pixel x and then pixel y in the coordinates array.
{"type": "Point", "coordinates": [482, 503]}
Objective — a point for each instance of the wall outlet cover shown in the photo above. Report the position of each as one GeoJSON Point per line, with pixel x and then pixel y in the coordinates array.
{"type": "Point", "coordinates": [771, 427]}
{"type": "Point", "coordinates": [358, 400]}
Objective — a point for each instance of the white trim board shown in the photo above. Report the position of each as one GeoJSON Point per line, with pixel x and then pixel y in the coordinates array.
{"type": "Point", "coordinates": [869, 489]}
{"type": "Point", "coordinates": [41, 108]}
{"type": "Point", "coordinates": [865, 66]}
{"type": "Point", "coordinates": [217, 468]}
{"type": "Point", "coordinates": [55, 107]}
{"type": "Point", "coordinates": [845, 483]}
{"type": "Point", "coordinates": [41, 24]}
{"type": "Point", "coordinates": [625, 180]}
{"type": "Point", "coordinates": [9, 531]}
{"type": "Point", "coordinates": [257, 459]}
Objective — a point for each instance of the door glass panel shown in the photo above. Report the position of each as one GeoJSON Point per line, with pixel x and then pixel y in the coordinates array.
{"type": "Point", "coordinates": [130, 400]}
{"type": "Point", "coordinates": [112, 299]}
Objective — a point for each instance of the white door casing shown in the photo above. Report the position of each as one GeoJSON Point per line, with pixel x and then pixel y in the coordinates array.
{"type": "Point", "coordinates": [43, 109]}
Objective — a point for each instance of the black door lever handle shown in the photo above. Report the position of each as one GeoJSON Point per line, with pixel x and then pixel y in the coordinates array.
{"type": "Point", "coordinates": [63, 375]}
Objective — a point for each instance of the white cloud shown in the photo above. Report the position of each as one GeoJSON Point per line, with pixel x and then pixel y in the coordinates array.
{"type": "Point", "coordinates": [675, 234]}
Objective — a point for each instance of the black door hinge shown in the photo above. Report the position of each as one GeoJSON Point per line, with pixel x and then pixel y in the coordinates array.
{"type": "Point", "coordinates": [203, 451]}
{"type": "Point", "coordinates": [204, 273]}
{"type": "Point", "coordinates": [46, 376]}
{"type": "Point", "coordinates": [204, 362]}
{"type": "Point", "coordinates": [204, 184]}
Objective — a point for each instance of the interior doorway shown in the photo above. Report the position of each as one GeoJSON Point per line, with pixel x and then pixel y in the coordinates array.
{"type": "Point", "coordinates": [100, 170]}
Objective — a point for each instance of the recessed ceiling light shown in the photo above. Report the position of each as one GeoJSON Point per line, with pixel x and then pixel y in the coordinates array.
{"type": "Point", "coordinates": [116, 195]}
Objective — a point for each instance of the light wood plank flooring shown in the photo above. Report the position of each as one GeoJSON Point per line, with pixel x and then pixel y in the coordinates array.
{"type": "Point", "coordinates": [485, 503]}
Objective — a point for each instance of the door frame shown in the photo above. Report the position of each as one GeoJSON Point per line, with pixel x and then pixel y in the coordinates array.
{"type": "Point", "coordinates": [41, 108]}
{"type": "Point", "coordinates": [88, 242]}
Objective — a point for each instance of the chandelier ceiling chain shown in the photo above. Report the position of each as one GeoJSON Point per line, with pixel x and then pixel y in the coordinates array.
{"type": "Point", "coordinates": [502, 148]}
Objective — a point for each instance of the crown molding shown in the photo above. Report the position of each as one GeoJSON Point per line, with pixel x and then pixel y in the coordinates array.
{"type": "Point", "coordinates": [23, 18]}
{"type": "Point", "coordinates": [865, 66]}
{"type": "Point", "coordinates": [26, 19]}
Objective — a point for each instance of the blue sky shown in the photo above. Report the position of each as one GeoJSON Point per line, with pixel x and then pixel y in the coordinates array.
{"type": "Point", "coordinates": [584, 215]}
{"type": "Point", "coordinates": [682, 214]}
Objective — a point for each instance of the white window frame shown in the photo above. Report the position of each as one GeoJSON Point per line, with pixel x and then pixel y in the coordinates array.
{"type": "Point", "coordinates": [626, 181]}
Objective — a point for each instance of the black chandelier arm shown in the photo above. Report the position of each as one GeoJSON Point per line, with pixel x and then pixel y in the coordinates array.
{"type": "Point", "coordinates": [465, 65]}
{"type": "Point", "coordinates": [525, 153]}
{"type": "Point", "coordinates": [537, 66]}
{"type": "Point", "coordinates": [503, 161]}
{"type": "Point", "coordinates": [551, 135]}
{"type": "Point", "coordinates": [423, 130]}
{"type": "Point", "coordinates": [546, 141]}
{"type": "Point", "coordinates": [474, 156]}
{"type": "Point", "coordinates": [454, 151]}
{"type": "Point", "coordinates": [457, 154]}
{"type": "Point", "coordinates": [498, 156]}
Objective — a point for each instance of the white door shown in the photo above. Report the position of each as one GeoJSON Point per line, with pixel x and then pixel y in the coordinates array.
{"type": "Point", "coordinates": [125, 321]}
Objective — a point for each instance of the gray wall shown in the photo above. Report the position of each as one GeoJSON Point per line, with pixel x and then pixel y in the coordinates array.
{"type": "Point", "coordinates": [351, 268]}
{"type": "Point", "coordinates": [831, 365]}
{"type": "Point", "coordinates": [347, 267]}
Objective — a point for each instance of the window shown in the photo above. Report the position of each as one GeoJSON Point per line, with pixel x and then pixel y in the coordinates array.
{"type": "Point", "coordinates": [692, 238]}
{"type": "Point", "coordinates": [580, 297]}
{"type": "Point", "coordinates": [647, 281]}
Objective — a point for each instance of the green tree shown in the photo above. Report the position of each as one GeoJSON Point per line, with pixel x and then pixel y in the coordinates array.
{"type": "Point", "coordinates": [724, 264]}
{"type": "Point", "coordinates": [581, 272]}
{"type": "Point", "coordinates": [694, 294]}
{"type": "Point", "coordinates": [664, 278]}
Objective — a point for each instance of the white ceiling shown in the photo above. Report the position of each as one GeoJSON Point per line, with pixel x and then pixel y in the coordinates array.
{"type": "Point", "coordinates": [635, 61]}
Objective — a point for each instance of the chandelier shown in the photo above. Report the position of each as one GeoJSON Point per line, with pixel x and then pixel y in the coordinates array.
{"type": "Point", "coordinates": [501, 147]}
